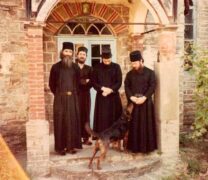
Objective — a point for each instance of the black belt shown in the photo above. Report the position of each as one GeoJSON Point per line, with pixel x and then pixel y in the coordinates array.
{"type": "Point", "coordinates": [67, 93]}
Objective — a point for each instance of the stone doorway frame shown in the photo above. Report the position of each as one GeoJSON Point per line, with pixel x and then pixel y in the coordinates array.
{"type": "Point", "coordinates": [166, 97]}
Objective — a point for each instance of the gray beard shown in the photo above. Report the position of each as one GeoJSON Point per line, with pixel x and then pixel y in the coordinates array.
{"type": "Point", "coordinates": [67, 61]}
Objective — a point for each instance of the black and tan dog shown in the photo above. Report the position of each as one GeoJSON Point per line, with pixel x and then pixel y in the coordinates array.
{"type": "Point", "coordinates": [116, 132]}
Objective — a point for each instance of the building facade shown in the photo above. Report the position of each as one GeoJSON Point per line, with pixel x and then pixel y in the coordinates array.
{"type": "Point", "coordinates": [31, 35]}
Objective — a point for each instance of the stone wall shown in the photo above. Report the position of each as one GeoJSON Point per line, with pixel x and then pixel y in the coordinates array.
{"type": "Point", "coordinates": [179, 57]}
{"type": "Point", "coordinates": [189, 103]}
{"type": "Point", "coordinates": [201, 23]}
{"type": "Point", "coordinates": [150, 43]}
{"type": "Point", "coordinates": [50, 56]}
{"type": "Point", "coordinates": [201, 40]}
{"type": "Point", "coordinates": [186, 86]}
{"type": "Point", "coordinates": [187, 81]}
{"type": "Point", "coordinates": [37, 129]}
{"type": "Point", "coordinates": [123, 49]}
{"type": "Point", "coordinates": [13, 74]}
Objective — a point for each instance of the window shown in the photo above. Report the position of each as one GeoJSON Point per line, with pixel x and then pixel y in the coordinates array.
{"type": "Point", "coordinates": [189, 26]}
{"type": "Point", "coordinates": [79, 29]}
{"type": "Point", "coordinates": [189, 38]}
{"type": "Point", "coordinates": [96, 50]}
{"type": "Point", "coordinates": [84, 26]}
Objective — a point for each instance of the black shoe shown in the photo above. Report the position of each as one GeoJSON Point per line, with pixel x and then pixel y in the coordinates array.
{"type": "Point", "coordinates": [62, 152]}
{"type": "Point", "coordinates": [94, 138]}
{"type": "Point", "coordinates": [87, 142]}
{"type": "Point", "coordinates": [71, 151]}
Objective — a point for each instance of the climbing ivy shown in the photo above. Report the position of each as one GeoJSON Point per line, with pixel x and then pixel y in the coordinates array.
{"type": "Point", "coordinates": [199, 61]}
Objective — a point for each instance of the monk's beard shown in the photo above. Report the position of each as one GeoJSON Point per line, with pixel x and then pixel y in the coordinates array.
{"type": "Point", "coordinates": [80, 61]}
{"type": "Point", "coordinates": [67, 61]}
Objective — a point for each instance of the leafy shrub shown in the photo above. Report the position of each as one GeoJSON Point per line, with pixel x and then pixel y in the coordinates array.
{"type": "Point", "coordinates": [199, 60]}
{"type": "Point", "coordinates": [193, 166]}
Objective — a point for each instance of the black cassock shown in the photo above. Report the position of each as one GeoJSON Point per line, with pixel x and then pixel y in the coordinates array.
{"type": "Point", "coordinates": [107, 109]}
{"type": "Point", "coordinates": [84, 97]}
{"type": "Point", "coordinates": [67, 126]}
{"type": "Point", "coordinates": [142, 132]}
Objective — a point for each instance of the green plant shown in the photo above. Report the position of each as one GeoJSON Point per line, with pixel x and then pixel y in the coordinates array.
{"type": "Point", "coordinates": [200, 70]}
{"type": "Point", "coordinates": [184, 139]}
{"type": "Point", "coordinates": [188, 56]}
{"type": "Point", "coordinates": [193, 166]}
{"type": "Point", "coordinates": [181, 176]}
{"type": "Point", "coordinates": [169, 178]}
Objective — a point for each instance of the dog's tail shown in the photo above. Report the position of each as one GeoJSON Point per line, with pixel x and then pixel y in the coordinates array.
{"type": "Point", "coordinates": [90, 131]}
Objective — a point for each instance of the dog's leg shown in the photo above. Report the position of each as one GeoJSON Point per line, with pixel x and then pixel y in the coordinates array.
{"type": "Point", "coordinates": [101, 158]}
{"type": "Point", "coordinates": [119, 145]}
{"type": "Point", "coordinates": [91, 160]}
{"type": "Point", "coordinates": [103, 151]}
{"type": "Point", "coordinates": [125, 141]}
{"type": "Point", "coordinates": [96, 149]}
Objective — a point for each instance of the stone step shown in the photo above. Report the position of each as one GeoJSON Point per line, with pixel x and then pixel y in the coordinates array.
{"type": "Point", "coordinates": [117, 165]}
{"type": "Point", "coordinates": [86, 153]}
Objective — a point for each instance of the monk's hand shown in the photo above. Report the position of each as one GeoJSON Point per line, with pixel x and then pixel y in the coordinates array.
{"type": "Point", "coordinates": [141, 100]}
{"type": "Point", "coordinates": [87, 80]}
{"type": "Point", "coordinates": [133, 99]}
{"type": "Point", "coordinates": [144, 98]}
{"type": "Point", "coordinates": [104, 94]}
{"type": "Point", "coordinates": [104, 89]}
{"type": "Point", "coordinates": [109, 91]}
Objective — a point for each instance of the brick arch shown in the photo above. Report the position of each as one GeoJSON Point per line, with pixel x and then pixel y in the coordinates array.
{"type": "Point", "coordinates": [154, 6]}
{"type": "Point", "coordinates": [64, 12]}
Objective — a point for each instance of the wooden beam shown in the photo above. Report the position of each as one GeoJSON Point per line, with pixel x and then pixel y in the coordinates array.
{"type": "Point", "coordinates": [28, 8]}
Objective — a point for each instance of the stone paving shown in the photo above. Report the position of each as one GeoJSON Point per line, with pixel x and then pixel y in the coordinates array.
{"type": "Point", "coordinates": [117, 165]}
{"type": "Point", "coordinates": [159, 170]}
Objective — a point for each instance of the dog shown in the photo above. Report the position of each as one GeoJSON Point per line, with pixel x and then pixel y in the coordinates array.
{"type": "Point", "coordinates": [116, 132]}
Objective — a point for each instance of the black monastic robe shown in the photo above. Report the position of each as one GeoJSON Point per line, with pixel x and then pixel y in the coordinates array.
{"type": "Point", "coordinates": [84, 97]}
{"type": "Point", "coordinates": [67, 127]}
{"type": "Point", "coordinates": [107, 109]}
{"type": "Point", "coordinates": [142, 132]}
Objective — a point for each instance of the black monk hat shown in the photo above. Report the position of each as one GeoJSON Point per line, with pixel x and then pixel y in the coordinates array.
{"type": "Point", "coordinates": [82, 48]}
{"type": "Point", "coordinates": [68, 45]}
{"type": "Point", "coordinates": [135, 56]}
{"type": "Point", "coordinates": [106, 53]}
